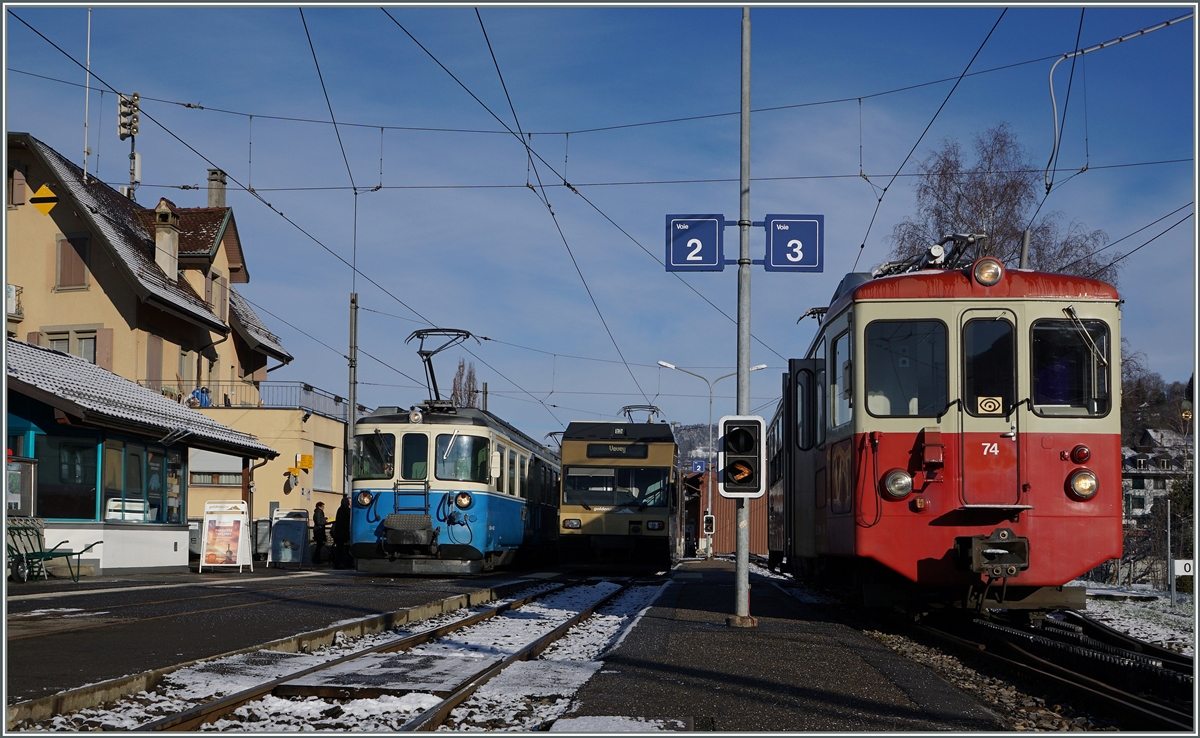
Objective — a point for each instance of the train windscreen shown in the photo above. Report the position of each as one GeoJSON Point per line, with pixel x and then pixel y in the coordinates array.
{"type": "Point", "coordinates": [620, 486]}
{"type": "Point", "coordinates": [374, 455]}
{"type": "Point", "coordinates": [462, 458]}
{"type": "Point", "coordinates": [1070, 367]}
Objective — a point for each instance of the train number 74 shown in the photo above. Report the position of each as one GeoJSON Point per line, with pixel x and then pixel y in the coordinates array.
{"type": "Point", "coordinates": [991, 448]}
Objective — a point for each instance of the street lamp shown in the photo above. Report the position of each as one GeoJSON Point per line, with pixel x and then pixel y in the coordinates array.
{"type": "Point", "coordinates": [708, 511]}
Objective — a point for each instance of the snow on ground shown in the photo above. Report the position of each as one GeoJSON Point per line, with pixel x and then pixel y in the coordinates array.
{"type": "Point", "coordinates": [1154, 621]}
{"type": "Point", "coordinates": [192, 685]}
{"type": "Point", "coordinates": [610, 724]}
{"type": "Point", "coordinates": [529, 695]}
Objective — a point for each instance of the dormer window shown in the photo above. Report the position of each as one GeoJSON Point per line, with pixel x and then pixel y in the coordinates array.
{"type": "Point", "coordinates": [1164, 463]}
{"type": "Point", "coordinates": [1139, 463]}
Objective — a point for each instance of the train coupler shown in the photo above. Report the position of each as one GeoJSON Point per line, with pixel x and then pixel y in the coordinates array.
{"type": "Point", "coordinates": [999, 555]}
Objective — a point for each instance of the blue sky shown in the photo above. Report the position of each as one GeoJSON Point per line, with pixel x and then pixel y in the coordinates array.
{"type": "Point", "coordinates": [457, 236]}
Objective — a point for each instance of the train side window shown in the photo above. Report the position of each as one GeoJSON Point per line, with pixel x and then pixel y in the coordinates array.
{"type": "Point", "coordinates": [501, 479]}
{"type": "Point", "coordinates": [512, 472]}
{"type": "Point", "coordinates": [989, 381]}
{"type": "Point", "coordinates": [1070, 368]}
{"type": "Point", "coordinates": [840, 381]}
{"type": "Point", "coordinates": [804, 419]}
{"type": "Point", "coordinates": [906, 368]}
{"type": "Point", "coordinates": [414, 456]}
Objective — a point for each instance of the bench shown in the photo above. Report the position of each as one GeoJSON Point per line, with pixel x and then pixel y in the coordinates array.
{"type": "Point", "coordinates": [25, 541]}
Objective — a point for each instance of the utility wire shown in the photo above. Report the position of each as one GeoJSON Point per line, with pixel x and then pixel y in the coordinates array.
{"type": "Point", "coordinates": [1139, 248]}
{"type": "Point", "coordinates": [879, 201]}
{"type": "Point", "coordinates": [271, 207]}
{"type": "Point", "coordinates": [1122, 238]}
{"type": "Point", "coordinates": [565, 183]}
{"type": "Point", "coordinates": [328, 104]}
{"type": "Point", "coordinates": [595, 129]}
{"type": "Point", "coordinates": [659, 182]}
{"type": "Point", "coordinates": [1052, 165]}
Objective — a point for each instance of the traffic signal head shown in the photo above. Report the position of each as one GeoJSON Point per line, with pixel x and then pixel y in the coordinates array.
{"type": "Point", "coordinates": [741, 456]}
{"type": "Point", "coordinates": [710, 525]}
{"type": "Point", "coordinates": [127, 115]}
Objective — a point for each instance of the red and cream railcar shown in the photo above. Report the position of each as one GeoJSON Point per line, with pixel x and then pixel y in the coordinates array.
{"type": "Point", "coordinates": [953, 433]}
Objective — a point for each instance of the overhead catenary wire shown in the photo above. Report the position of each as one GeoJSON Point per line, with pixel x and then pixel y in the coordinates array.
{"type": "Point", "coordinates": [1144, 245]}
{"type": "Point", "coordinates": [1052, 165]}
{"type": "Point", "coordinates": [920, 138]}
{"type": "Point", "coordinates": [258, 197]}
{"type": "Point", "coordinates": [659, 182]}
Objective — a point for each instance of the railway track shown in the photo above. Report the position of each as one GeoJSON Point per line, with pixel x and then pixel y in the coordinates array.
{"type": "Point", "coordinates": [1138, 685]}
{"type": "Point", "coordinates": [420, 679]}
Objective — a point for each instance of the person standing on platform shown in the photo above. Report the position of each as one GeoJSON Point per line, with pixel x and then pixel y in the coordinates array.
{"type": "Point", "coordinates": [341, 535]}
{"type": "Point", "coordinates": [319, 539]}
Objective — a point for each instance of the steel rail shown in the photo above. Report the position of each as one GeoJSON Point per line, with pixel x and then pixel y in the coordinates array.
{"type": "Point", "coordinates": [1170, 658]}
{"type": "Point", "coordinates": [433, 717]}
{"type": "Point", "coordinates": [1139, 711]}
{"type": "Point", "coordinates": [208, 712]}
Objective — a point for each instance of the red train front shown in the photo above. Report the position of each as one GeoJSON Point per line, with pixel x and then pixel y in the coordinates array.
{"type": "Point", "coordinates": [953, 434]}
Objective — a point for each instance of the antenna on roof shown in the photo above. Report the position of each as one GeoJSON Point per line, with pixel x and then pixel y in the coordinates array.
{"type": "Point", "coordinates": [87, 96]}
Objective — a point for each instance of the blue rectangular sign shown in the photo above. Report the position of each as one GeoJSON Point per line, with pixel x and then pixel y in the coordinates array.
{"type": "Point", "coordinates": [698, 467]}
{"type": "Point", "coordinates": [695, 243]}
{"type": "Point", "coordinates": [795, 243]}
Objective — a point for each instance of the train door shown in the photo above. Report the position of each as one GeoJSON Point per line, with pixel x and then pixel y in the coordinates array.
{"type": "Point", "coordinates": [412, 486]}
{"type": "Point", "coordinates": [988, 438]}
{"type": "Point", "coordinates": [806, 377]}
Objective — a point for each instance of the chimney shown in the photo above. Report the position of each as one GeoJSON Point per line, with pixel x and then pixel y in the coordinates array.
{"type": "Point", "coordinates": [216, 188]}
{"type": "Point", "coordinates": [166, 238]}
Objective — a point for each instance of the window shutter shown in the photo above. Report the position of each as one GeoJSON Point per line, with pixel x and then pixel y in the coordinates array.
{"type": "Point", "coordinates": [260, 374]}
{"type": "Point", "coordinates": [223, 298]}
{"type": "Point", "coordinates": [104, 348]}
{"type": "Point", "coordinates": [72, 258]}
{"type": "Point", "coordinates": [154, 364]}
{"type": "Point", "coordinates": [208, 284]}
{"type": "Point", "coordinates": [34, 337]}
{"type": "Point", "coordinates": [18, 187]}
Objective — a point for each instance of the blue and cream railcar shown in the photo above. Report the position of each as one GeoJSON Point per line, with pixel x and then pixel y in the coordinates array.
{"type": "Point", "coordinates": [441, 490]}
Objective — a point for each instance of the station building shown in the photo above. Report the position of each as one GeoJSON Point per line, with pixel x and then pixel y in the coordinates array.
{"type": "Point", "coordinates": [150, 294]}
{"type": "Point", "coordinates": [103, 459]}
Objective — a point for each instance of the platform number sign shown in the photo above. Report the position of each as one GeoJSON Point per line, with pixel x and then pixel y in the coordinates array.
{"type": "Point", "coordinates": [695, 243]}
{"type": "Point", "coordinates": [1185, 567]}
{"type": "Point", "coordinates": [795, 243]}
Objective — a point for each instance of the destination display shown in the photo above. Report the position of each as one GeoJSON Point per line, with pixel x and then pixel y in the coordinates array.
{"type": "Point", "coordinates": [617, 451]}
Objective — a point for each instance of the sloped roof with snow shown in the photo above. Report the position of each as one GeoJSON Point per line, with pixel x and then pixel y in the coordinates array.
{"type": "Point", "coordinates": [115, 218]}
{"type": "Point", "coordinates": [100, 397]}
{"type": "Point", "coordinates": [246, 322]}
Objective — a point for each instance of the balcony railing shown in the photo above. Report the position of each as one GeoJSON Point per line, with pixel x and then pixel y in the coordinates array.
{"type": "Point", "coordinates": [290, 395]}
{"type": "Point", "coordinates": [12, 302]}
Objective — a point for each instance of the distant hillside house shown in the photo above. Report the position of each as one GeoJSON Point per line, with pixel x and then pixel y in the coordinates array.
{"type": "Point", "coordinates": [1148, 470]}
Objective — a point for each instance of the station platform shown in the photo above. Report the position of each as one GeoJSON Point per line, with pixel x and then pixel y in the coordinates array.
{"type": "Point", "coordinates": [798, 670]}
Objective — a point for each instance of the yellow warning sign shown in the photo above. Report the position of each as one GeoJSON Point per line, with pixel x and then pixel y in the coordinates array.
{"type": "Point", "coordinates": [294, 471]}
{"type": "Point", "coordinates": [306, 461]}
{"type": "Point", "coordinates": [44, 199]}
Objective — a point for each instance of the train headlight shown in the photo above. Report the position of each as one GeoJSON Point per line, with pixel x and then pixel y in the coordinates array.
{"type": "Point", "coordinates": [364, 498]}
{"type": "Point", "coordinates": [654, 525]}
{"type": "Point", "coordinates": [1083, 484]}
{"type": "Point", "coordinates": [1080, 454]}
{"type": "Point", "coordinates": [462, 500]}
{"type": "Point", "coordinates": [988, 271]}
{"type": "Point", "coordinates": [415, 417]}
{"type": "Point", "coordinates": [898, 483]}
{"type": "Point", "coordinates": [572, 523]}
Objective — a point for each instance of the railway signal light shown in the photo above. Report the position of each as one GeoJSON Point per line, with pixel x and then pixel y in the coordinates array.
{"type": "Point", "coordinates": [710, 525]}
{"type": "Point", "coordinates": [127, 115]}
{"type": "Point", "coordinates": [741, 456]}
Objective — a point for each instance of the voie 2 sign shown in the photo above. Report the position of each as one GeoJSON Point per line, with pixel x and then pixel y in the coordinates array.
{"type": "Point", "coordinates": [695, 243]}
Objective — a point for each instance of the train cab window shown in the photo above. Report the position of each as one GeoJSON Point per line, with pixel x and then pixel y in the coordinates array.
{"type": "Point", "coordinates": [906, 367]}
{"type": "Point", "coordinates": [841, 385]}
{"type": "Point", "coordinates": [374, 455]}
{"type": "Point", "coordinates": [462, 458]}
{"type": "Point", "coordinates": [523, 479]}
{"type": "Point", "coordinates": [500, 479]}
{"type": "Point", "coordinates": [1070, 365]}
{"type": "Point", "coordinates": [989, 381]}
{"type": "Point", "coordinates": [512, 472]}
{"type": "Point", "coordinates": [820, 405]}
{"type": "Point", "coordinates": [414, 456]}
{"type": "Point", "coordinates": [633, 487]}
